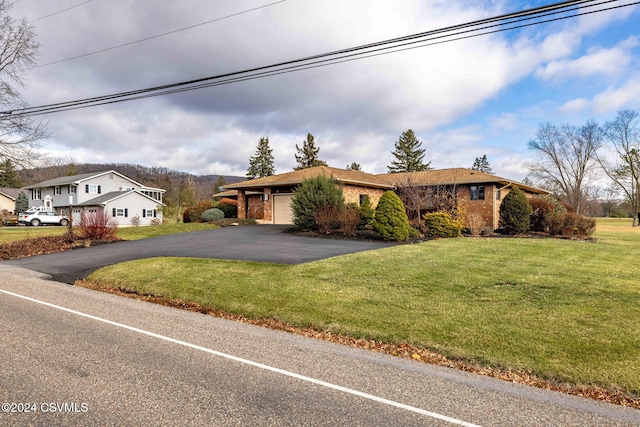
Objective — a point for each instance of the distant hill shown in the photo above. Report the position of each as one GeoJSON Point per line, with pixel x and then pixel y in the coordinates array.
{"type": "Point", "coordinates": [149, 176]}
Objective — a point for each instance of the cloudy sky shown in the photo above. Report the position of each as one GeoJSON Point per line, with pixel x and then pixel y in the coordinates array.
{"type": "Point", "coordinates": [484, 95]}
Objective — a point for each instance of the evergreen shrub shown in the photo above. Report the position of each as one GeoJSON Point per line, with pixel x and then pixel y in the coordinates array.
{"type": "Point", "coordinates": [391, 221]}
{"type": "Point", "coordinates": [515, 212]}
{"type": "Point", "coordinates": [440, 224]}
{"type": "Point", "coordinates": [312, 196]}
{"type": "Point", "coordinates": [214, 214]}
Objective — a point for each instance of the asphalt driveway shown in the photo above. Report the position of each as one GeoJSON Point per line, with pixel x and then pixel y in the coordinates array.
{"type": "Point", "coordinates": [263, 243]}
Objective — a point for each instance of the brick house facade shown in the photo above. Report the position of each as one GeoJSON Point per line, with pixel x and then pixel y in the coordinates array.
{"type": "Point", "coordinates": [478, 195]}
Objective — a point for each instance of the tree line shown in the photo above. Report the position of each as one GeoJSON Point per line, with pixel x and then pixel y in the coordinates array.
{"type": "Point", "coordinates": [408, 153]}
{"type": "Point", "coordinates": [571, 159]}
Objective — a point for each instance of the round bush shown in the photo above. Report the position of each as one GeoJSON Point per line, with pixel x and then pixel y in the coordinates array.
{"type": "Point", "coordinates": [229, 209]}
{"type": "Point", "coordinates": [214, 214]}
{"type": "Point", "coordinates": [391, 221]}
{"type": "Point", "coordinates": [515, 212]}
{"type": "Point", "coordinates": [440, 224]}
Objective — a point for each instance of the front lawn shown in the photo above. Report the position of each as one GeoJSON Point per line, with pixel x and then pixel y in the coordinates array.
{"type": "Point", "coordinates": [566, 311]}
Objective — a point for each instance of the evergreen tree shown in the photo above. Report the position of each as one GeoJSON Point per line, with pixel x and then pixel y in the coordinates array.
{"type": "Point", "coordinates": [515, 212]}
{"type": "Point", "coordinates": [391, 221]}
{"type": "Point", "coordinates": [354, 167]}
{"type": "Point", "coordinates": [22, 203]}
{"type": "Point", "coordinates": [409, 154]}
{"type": "Point", "coordinates": [307, 156]}
{"type": "Point", "coordinates": [261, 164]}
{"type": "Point", "coordinates": [220, 182]}
{"type": "Point", "coordinates": [9, 176]}
{"type": "Point", "coordinates": [481, 164]}
{"type": "Point", "coordinates": [312, 195]}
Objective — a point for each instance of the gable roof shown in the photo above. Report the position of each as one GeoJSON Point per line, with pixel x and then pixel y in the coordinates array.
{"type": "Point", "coordinates": [76, 179]}
{"type": "Point", "coordinates": [113, 195]}
{"type": "Point", "coordinates": [11, 193]}
{"type": "Point", "coordinates": [455, 176]}
{"type": "Point", "coordinates": [297, 176]}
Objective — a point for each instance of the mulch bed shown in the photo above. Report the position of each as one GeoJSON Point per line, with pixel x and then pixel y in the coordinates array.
{"type": "Point", "coordinates": [44, 245]}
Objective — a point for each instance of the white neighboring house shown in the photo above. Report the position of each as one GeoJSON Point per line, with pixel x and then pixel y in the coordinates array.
{"type": "Point", "coordinates": [120, 197]}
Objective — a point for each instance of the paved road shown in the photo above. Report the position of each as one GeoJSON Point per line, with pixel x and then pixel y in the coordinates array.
{"type": "Point", "coordinates": [134, 363]}
{"type": "Point", "coordinates": [266, 243]}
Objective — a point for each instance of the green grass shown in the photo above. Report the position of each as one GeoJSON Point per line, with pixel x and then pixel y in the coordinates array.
{"type": "Point", "coordinates": [14, 233]}
{"type": "Point", "coordinates": [137, 233]}
{"type": "Point", "coordinates": [565, 310]}
{"type": "Point", "coordinates": [11, 234]}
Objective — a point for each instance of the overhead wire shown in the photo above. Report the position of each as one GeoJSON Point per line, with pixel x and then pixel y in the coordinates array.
{"type": "Point", "coordinates": [61, 11]}
{"type": "Point", "coordinates": [84, 55]}
{"type": "Point", "coordinates": [412, 41]}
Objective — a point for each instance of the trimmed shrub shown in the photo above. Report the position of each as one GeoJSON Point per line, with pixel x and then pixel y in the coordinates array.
{"type": "Point", "coordinates": [312, 196]}
{"type": "Point", "coordinates": [440, 224]}
{"type": "Point", "coordinates": [586, 226]}
{"type": "Point", "coordinates": [515, 212]}
{"type": "Point", "coordinates": [229, 207]}
{"type": "Point", "coordinates": [543, 207]}
{"type": "Point", "coordinates": [195, 212]}
{"type": "Point", "coordinates": [214, 214]}
{"type": "Point", "coordinates": [391, 221]}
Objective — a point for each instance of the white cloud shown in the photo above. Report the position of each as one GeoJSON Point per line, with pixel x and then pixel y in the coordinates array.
{"type": "Point", "coordinates": [597, 62]}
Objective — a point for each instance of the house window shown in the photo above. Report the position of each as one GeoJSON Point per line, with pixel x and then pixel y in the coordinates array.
{"type": "Point", "coordinates": [120, 212]}
{"type": "Point", "coordinates": [56, 190]}
{"type": "Point", "coordinates": [73, 189]}
{"type": "Point", "coordinates": [36, 194]}
{"type": "Point", "coordinates": [498, 195]}
{"type": "Point", "coordinates": [477, 192]}
{"type": "Point", "coordinates": [148, 213]}
{"type": "Point", "coordinates": [363, 199]}
{"type": "Point", "coordinates": [92, 189]}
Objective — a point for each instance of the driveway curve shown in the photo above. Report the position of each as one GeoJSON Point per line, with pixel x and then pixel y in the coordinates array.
{"type": "Point", "coordinates": [262, 243]}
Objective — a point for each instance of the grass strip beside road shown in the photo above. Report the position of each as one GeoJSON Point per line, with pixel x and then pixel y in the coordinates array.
{"type": "Point", "coordinates": [566, 311]}
{"type": "Point", "coordinates": [15, 233]}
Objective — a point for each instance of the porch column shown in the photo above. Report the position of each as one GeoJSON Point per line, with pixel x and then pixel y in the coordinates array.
{"type": "Point", "coordinates": [242, 204]}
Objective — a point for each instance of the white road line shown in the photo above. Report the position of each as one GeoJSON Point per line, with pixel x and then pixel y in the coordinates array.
{"type": "Point", "coordinates": [254, 364]}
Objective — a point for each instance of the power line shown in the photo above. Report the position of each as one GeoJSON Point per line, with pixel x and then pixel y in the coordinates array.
{"type": "Point", "coordinates": [61, 11]}
{"type": "Point", "coordinates": [157, 35]}
{"type": "Point", "coordinates": [444, 35]}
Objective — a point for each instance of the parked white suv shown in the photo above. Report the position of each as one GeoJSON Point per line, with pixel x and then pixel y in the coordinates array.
{"type": "Point", "coordinates": [42, 217]}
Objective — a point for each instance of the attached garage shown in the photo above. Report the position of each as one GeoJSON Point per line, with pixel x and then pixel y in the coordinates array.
{"type": "Point", "coordinates": [282, 209]}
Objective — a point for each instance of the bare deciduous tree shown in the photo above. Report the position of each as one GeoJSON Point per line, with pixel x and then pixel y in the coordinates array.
{"type": "Point", "coordinates": [19, 134]}
{"type": "Point", "coordinates": [623, 135]}
{"type": "Point", "coordinates": [567, 158]}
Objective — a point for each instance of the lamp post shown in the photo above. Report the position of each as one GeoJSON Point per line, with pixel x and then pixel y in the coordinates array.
{"type": "Point", "coordinates": [70, 214]}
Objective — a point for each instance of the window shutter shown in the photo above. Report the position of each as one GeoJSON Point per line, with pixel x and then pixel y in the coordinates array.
{"type": "Point", "coordinates": [126, 212]}
{"type": "Point", "coordinates": [144, 213]}
{"type": "Point", "coordinates": [114, 212]}
{"type": "Point", "coordinates": [99, 189]}
{"type": "Point", "coordinates": [86, 188]}
{"type": "Point", "coordinates": [154, 213]}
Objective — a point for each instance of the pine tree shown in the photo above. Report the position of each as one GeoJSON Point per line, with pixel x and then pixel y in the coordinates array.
{"type": "Point", "coordinates": [261, 164]}
{"type": "Point", "coordinates": [481, 164]}
{"type": "Point", "coordinates": [354, 167]}
{"type": "Point", "coordinates": [409, 154]}
{"type": "Point", "coordinates": [9, 176]}
{"type": "Point", "coordinates": [22, 203]}
{"type": "Point", "coordinates": [307, 156]}
{"type": "Point", "coordinates": [220, 182]}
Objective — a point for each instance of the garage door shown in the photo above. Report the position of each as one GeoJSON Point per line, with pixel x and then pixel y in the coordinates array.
{"type": "Point", "coordinates": [282, 209]}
